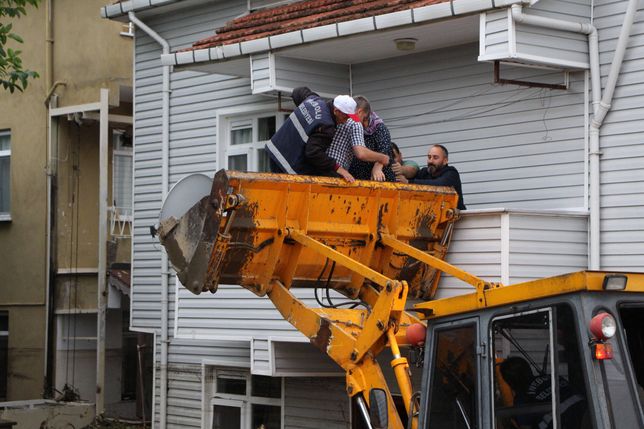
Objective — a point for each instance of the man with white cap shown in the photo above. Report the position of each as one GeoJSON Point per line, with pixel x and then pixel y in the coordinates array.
{"type": "Point", "coordinates": [348, 140]}
{"type": "Point", "coordinates": [300, 145]}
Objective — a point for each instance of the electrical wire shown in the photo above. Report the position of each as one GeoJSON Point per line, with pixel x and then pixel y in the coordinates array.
{"type": "Point", "coordinates": [473, 114]}
{"type": "Point", "coordinates": [330, 303]}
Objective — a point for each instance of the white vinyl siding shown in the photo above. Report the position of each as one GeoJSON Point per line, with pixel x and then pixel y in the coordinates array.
{"type": "Point", "coordinates": [326, 78]}
{"type": "Point", "coordinates": [260, 66]}
{"type": "Point", "coordinates": [546, 245]}
{"type": "Point", "coordinates": [314, 403]}
{"type": "Point", "coordinates": [515, 246]}
{"type": "Point", "coordinates": [194, 101]}
{"type": "Point", "coordinates": [622, 143]}
{"type": "Point", "coordinates": [514, 147]}
{"type": "Point", "coordinates": [271, 73]}
{"type": "Point", "coordinates": [503, 39]}
{"type": "Point", "coordinates": [299, 359]}
{"type": "Point", "coordinates": [475, 248]}
{"type": "Point", "coordinates": [495, 33]}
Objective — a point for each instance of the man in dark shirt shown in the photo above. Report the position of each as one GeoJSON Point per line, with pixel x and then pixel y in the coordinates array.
{"type": "Point", "coordinates": [438, 173]}
{"type": "Point", "coordinates": [301, 143]}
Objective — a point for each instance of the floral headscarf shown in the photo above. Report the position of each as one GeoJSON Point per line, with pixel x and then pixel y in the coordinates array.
{"type": "Point", "coordinates": [374, 121]}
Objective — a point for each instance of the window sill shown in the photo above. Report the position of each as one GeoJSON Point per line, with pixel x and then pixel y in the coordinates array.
{"type": "Point", "coordinates": [5, 217]}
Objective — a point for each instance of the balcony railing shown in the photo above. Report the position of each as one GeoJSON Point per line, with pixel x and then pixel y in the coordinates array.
{"type": "Point", "coordinates": [120, 221]}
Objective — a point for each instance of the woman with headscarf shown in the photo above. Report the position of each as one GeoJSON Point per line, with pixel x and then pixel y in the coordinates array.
{"type": "Point", "coordinates": [376, 138]}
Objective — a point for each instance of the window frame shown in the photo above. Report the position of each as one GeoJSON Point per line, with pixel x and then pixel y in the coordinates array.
{"type": "Point", "coordinates": [237, 403]}
{"type": "Point", "coordinates": [121, 152]}
{"type": "Point", "coordinates": [6, 215]}
{"type": "Point", "coordinates": [3, 394]}
{"type": "Point", "coordinates": [553, 360]}
{"type": "Point", "coordinates": [431, 357]}
{"type": "Point", "coordinates": [626, 352]}
{"type": "Point", "coordinates": [212, 397]}
{"type": "Point", "coordinates": [225, 121]}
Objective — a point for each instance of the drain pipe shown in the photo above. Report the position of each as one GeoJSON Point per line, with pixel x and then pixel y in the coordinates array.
{"type": "Point", "coordinates": [595, 125]}
{"type": "Point", "coordinates": [601, 105]}
{"type": "Point", "coordinates": [165, 145]}
{"type": "Point", "coordinates": [573, 27]}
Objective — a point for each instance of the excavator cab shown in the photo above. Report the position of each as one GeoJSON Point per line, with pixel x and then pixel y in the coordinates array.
{"type": "Point", "coordinates": [542, 360]}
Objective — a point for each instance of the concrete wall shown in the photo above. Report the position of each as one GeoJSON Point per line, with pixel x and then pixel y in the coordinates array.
{"type": "Point", "coordinates": [88, 54]}
{"type": "Point", "coordinates": [22, 240]}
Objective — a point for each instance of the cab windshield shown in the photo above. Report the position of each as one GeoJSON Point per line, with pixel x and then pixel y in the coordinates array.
{"type": "Point", "coordinates": [632, 317]}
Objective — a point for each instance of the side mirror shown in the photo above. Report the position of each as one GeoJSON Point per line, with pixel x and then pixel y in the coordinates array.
{"type": "Point", "coordinates": [378, 410]}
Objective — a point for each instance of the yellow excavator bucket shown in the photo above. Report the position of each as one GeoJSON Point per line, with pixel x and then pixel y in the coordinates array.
{"type": "Point", "coordinates": [252, 229]}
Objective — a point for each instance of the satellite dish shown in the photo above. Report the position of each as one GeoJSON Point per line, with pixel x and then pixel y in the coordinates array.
{"type": "Point", "coordinates": [185, 194]}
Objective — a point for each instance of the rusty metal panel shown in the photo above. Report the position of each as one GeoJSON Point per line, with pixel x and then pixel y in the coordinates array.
{"type": "Point", "coordinates": [241, 233]}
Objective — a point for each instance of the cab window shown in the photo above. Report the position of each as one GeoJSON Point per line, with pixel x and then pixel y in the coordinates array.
{"type": "Point", "coordinates": [452, 397]}
{"type": "Point", "coordinates": [633, 323]}
{"type": "Point", "coordinates": [534, 351]}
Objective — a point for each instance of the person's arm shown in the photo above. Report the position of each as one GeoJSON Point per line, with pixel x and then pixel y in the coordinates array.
{"type": "Point", "coordinates": [365, 154]}
{"type": "Point", "coordinates": [377, 173]}
{"type": "Point", "coordinates": [449, 178]}
{"type": "Point", "coordinates": [345, 174]}
{"type": "Point", "coordinates": [382, 144]}
{"type": "Point", "coordinates": [315, 152]}
{"type": "Point", "coordinates": [362, 152]}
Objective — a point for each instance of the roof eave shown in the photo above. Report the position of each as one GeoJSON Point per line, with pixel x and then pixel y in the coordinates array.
{"type": "Point", "coordinates": [119, 11]}
{"type": "Point", "coordinates": [122, 8]}
{"type": "Point", "coordinates": [425, 14]}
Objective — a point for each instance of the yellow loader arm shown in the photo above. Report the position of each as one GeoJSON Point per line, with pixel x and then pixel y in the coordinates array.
{"type": "Point", "coordinates": [382, 242]}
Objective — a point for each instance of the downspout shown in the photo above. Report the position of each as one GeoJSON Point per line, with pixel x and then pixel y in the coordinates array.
{"type": "Point", "coordinates": [165, 145]}
{"type": "Point", "coordinates": [601, 105]}
{"type": "Point", "coordinates": [595, 125]}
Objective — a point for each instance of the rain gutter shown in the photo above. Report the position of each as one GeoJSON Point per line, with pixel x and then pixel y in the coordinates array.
{"type": "Point", "coordinates": [386, 21]}
{"type": "Point", "coordinates": [165, 145]}
{"type": "Point", "coordinates": [125, 7]}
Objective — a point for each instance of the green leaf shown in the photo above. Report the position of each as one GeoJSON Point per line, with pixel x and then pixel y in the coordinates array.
{"type": "Point", "coordinates": [15, 37]}
{"type": "Point", "coordinates": [12, 75]}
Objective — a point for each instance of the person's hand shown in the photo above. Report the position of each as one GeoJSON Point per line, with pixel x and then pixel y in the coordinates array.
{"type": "Point", "coordinates": [397, 168]}
{"type": "Point", "coordinates": [345, 174]}
{"type": "Point", "coordinates": [376, 173]}
{"type": "Point", "coordinates": [401, 179]}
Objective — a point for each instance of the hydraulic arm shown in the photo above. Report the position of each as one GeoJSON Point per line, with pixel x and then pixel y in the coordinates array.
{"type": "Point", "coordinates": [375, 243]}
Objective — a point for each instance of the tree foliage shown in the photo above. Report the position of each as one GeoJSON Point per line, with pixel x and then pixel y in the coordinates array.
{"type": "Point", "coordinates": [12, 74]}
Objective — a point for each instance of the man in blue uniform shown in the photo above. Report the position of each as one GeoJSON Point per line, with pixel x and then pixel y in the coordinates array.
{"type": "Point", "coordinates": [300, 145]}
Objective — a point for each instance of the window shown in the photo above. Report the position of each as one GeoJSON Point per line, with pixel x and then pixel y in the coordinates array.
{"type": "Point", "coordinates": [240, 400]}
{"type": "Point", "coordinates": [632, 318]}
{"type": "Point", "coordinates": [5, 175]}
{"type": "Point", "coordinates": [453, 392]}
{"type": "Point", "coordinates": [4, 353]}
{"type": "Point", "coordinates": [533, 352]}
{"type": "Point", "coordinates": [122, 175]}
{"type": "Point", "coordinates": [246, 138]}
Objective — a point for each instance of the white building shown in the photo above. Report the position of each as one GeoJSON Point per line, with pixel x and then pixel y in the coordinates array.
{"type": "Point", "coordinates": [544, 195]}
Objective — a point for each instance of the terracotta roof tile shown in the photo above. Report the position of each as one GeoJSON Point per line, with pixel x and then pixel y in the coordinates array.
{"type": "Point", "coordinates": [301, 15]}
